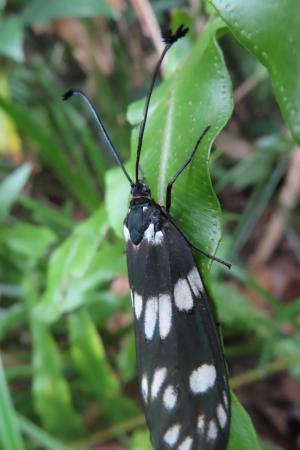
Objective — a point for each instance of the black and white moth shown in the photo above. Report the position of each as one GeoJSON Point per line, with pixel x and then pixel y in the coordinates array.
{"type": "Point", "coordinates": [181, 367]}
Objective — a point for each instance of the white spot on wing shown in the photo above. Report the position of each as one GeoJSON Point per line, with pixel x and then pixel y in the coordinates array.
{"type": "Point", "coordinates": [201, 423]}
{"type": "Point", "coordinates": [138, 305]}
{"type": "Point", "coordinates": [212, 431]}
{"type": "Point", "coordinates": [186, 443]}
{"type": "Point", "coordinates": [154, 238]}
{"type": "Point", "coordinates": [170, 397]}
{"type": "Point", "coordinates": [150, 317]}
{"type": "Point", "coordinates": [183, 296]}
{"type": "Point", "coordinates": [222, 416]}
{"type": "Point", "coordinates": [149, 233]}
{"type": "Point", "coordinates": [158, 238]}
{"type": "Point", "coordinates": [144, 384]}
{"type": "Point", "coordinates": [126, 233]}
{"type": "Point", "coordinates": [225, 398]}
{"type": "Point", "coordinates": [202, 378]}
{"type": "Point", "coordinates": [165, 315]}
{"type": "Point", "coordinates": [172, 435]}
{"type": "Point", "coordinates": [158, 379]}
{"type": "Point", "coordinates": [131, 296]}
{"type": "Point", "coordinates": [195, 281]}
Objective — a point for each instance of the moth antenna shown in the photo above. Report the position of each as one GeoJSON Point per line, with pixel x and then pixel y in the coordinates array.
{"type": "Point", "coordinates": [104, 133]}
{"type": "Point", "coordinates": [169, 38]}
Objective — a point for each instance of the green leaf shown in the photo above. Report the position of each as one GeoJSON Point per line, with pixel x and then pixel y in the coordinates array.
{"type": "Point", "coordinates": [90, 360]}
{"type": "Point", "coordinates": [51, 391]}
{"type": "Point", "coordinates": [237, 312]}
{"type": "Point", "coordinates": [10, 437]}
{"type": "Point", "coordinates": [179, 113]}
{"type": "Point", "coordinates": [37, 12]}
{"type": "Point", "coordinates": [272, 33]}
{"type": "Point", "coordinates": [33, 128]}
{"type": "Point", "coordinates": [46, 214]}
{"type": "Point", "coordinates": [12, 186]}
{"type": "Point", "coordinates": [127, 359]}
{"type": "Point", "coordinates": [242, 434]}
{"type": "Point", "coordinates": [289, 347]}
{"type": "Point", "coordinates": [28, 240]}
{"type": "Point", "coordinates": [40, 436]}
{"type": "Point", "coordinates": [284, 315]}
{"type": "Point", "coordinates": [116, 199]}
{"type": "Point", "coordinates": [10, 317]}
{"type": "Point", "coordinates": [140, 440]}
{"type": "Point", "coordinates": [11, 37]}
{"type": "Point", "coordinates": [72, 270]}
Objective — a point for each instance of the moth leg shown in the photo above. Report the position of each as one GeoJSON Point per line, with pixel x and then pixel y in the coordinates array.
{"type": "Point", "coordinates": [181, 169]}
{"type": "Point", "coordinates": [213, 258]}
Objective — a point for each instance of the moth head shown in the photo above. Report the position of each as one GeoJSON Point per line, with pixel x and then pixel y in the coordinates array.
{"type": "Point", "coordinates": [140, 190]}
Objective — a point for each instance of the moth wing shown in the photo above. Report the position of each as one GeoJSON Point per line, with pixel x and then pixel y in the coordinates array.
{"type": "Point", "coordinates": [180, 361]}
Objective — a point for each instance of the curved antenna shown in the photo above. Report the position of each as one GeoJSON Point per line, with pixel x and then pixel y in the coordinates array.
{"type": "Point", "coordinates": [104, 133]}
{"type": "Point", "coordinates": [169, 40]}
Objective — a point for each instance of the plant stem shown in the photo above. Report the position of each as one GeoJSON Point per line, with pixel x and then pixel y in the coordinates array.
{"type": "Point", "coordinates": [259, 373]}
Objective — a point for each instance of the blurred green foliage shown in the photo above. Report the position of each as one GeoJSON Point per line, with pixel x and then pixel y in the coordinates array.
{"type": "Point", "coordinates": [67, 345]}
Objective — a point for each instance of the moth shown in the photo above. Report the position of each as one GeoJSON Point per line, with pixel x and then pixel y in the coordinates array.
{"type": "Point", "coordinates": [181, 367]}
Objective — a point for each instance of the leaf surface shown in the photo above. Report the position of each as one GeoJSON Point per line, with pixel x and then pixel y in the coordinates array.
{"type": "Point", "coordinates": [271, 31]}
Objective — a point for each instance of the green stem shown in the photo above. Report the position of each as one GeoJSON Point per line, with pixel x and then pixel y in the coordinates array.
{"type": "Point", "coordinates": [257, 374]}
{"type": "Point", "coordinates": [110, 433]}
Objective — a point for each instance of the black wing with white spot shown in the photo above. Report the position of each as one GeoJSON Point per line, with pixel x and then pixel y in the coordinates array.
{"type": "Point", "coordinates": [180, 361]}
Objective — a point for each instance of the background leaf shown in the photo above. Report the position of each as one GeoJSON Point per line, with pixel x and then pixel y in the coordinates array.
{"type": "Point", "coordinates": [10, 436]}
{"type": "Point", "coordinates": [11, 37]}
{"type": "Point", "coordinates": [271, 31]}
{"type": "Point", "coordinates": [11, 187]}
{"type": "Point", "coordinates": [97, 376]}
{"type": "Point", "coordinates": [36, 12]}
{"type": "Point", "coordinates": [69, 267]}
{"type": "Point", "coordinates": [242, 434]}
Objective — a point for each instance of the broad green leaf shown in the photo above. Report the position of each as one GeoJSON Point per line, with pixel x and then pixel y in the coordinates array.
{"type": "Point", "coordinates": [242, 434]}
{"type": "Point", "coordinates": [271, 31]}
{"type": "Point", "coordinates": [116, 199]}
{"type": "Point", "coordinates": [10, 437]}
{"type": "Point", "coordinates": [198, 94]}
{"type": "Point", "coordinates": [37, 12]}
{"type": "Point", "coordinates": [51, 391]}
{"type": "Point", "coordinates": [11, 37]}
{"type": "Point", "coordinates": [69, 267]}
{"type": "Point", "coordinates": [12, 186]}
{"type": "Point", "coordinates": [140, 440]}
{"type": "Point", "coordinates": [28, 240]}
{"type": "Point", "coordinates": [91, 362]}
